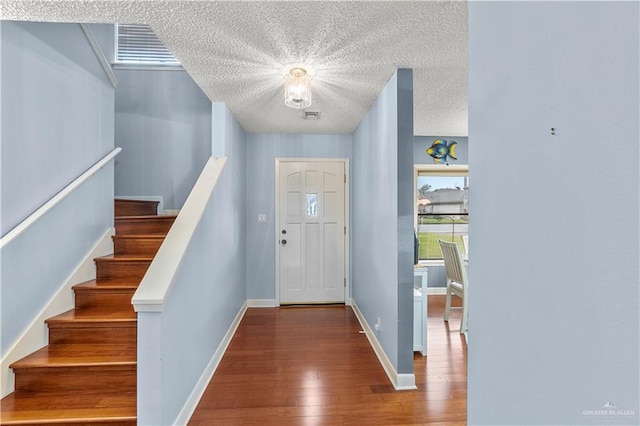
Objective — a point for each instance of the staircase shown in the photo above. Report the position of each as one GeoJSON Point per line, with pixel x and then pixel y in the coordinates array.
{"type": "Point", "coordinates": [87, 372]}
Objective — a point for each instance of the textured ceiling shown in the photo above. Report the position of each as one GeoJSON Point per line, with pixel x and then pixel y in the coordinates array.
{"type": "Point", "coordinates": [239, 51]}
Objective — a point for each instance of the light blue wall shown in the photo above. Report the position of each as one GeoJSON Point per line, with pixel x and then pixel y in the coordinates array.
{"type": "Point", "coordinates": [437, 276]}
{"type": "Point", "coordinates": [57, 121]}
{"type": "Point", "coordinates": [163, 124]}
{"type": "Point", "coordinates": [209, 288]}
{"type": "Point", "coordinates": [105, 36]}
{"type": "Point", "coordinates": [405, 211]}
{"type": "Point", "coordinates": [554, 301]}
{"type": "Point", "coordinates": [57, 113]}
{"type": "Point", "coordinates": [262, 150]}
{"type": "Point", "coordinates": [374, 235]}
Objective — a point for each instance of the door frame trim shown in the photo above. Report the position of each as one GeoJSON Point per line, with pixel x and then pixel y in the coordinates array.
{"type": "Point", "coordinates": [347, 250]}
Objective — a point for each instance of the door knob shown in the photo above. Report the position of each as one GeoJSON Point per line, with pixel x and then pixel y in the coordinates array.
{"type": "Point", "coordinates": [283, 242]}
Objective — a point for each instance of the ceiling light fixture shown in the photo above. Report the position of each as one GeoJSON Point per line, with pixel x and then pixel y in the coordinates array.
{"type": "Point", "coordinates": [297, 91]}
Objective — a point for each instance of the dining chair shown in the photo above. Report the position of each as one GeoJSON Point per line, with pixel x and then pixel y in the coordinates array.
{"type": "Point", "coordinates": [457, 282]}
{"type": "Point", "coordinates": [465, 244]}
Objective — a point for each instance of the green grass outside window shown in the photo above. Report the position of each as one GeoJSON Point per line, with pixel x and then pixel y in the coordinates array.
{"type": "Point", "coordinates": [429, 247]}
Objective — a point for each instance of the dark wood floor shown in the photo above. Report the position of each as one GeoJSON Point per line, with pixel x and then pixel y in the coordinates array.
{"type": "Point", "coordinates": [311, 366]}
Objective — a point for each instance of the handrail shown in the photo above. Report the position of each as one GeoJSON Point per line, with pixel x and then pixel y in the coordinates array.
{"type": "Point", "coordinates": [33, 217]}
{"type": "Point", "coordinates": [157, 284]}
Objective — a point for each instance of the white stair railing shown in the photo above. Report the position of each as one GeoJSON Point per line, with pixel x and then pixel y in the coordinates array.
{"type": "Point", "coordinates": [157, 283]}
{"type": "Point", "coordinates": [46, 207]}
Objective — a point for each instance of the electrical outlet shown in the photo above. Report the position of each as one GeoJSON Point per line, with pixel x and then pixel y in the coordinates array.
{"type": "Point", "coordinates": [262, 217]}
{"type": "Point", "coordinates": [378, 325]}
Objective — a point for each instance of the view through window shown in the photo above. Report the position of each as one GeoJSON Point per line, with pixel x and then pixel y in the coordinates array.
{"type": "Point", "coordinates": [442, 211]}
{"type": "Point", "coordinates": [138, 44]}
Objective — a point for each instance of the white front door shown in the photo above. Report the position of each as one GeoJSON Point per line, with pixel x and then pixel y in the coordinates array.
{"type": "Point", "coordinates": [311, 232]}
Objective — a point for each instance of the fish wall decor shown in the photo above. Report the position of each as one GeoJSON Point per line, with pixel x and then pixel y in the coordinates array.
{"type": "Point", "coordinates": [441, 149]}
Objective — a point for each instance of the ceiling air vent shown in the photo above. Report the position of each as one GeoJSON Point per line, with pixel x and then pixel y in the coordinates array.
{"type": "Point", "coordinates": [311, 115]}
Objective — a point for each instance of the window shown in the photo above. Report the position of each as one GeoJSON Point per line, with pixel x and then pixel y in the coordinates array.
{"type": "Point", "coordinates": [312, 205]}
{"type": "Point", "coordinates": [137, 44]}
{"type": "Point", "coordinates": [442, 208]}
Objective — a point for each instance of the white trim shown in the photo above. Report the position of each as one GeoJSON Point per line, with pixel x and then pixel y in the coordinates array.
{"type": "Point", "coordinates": [276, 221]}
{"type": "Point", "coordinates": [194, 398]}
{"type": "Point", "coordinates": [100, 54]}
{"type": "Point", "coordinates": [406, 382]}
{"type": "Point", "coordinates": [150, 67]}
{"type": "Point", "coordinates": [347, 224]}
{"type": "Point", "coordinates": [44, 209]}
{"type": "Point", "coordinates": [432, 262]}
{"type": "Point", "coordinates": [262, 303]}
{"type": "Point", "coordinates": [415, 204]}
{"type": "Point", "coordinates": [347, 214]}
{"type": "Point", "coordinates": [399, 381]}
{"type": "Point", "coordinates": [443, 169]}
{"type": "Point", "coordinates": [36, 335]}
{"type": "Point", "coordinates": [157, 283]}
{"type": "Point", "coordinates": [311, 159]}
{"type": "Point", "coordinates": [436, 290]}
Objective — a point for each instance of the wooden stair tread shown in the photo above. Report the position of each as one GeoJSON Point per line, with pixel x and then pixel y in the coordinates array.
{"type": "Point", "coordinates": [122, 268]}
{"type": "Point", "coordinates": [96, 294]}
{"type": "Point", "coordinates": [56, 408]}
{"type": "Point", "coordinates": [119, 199]}
{"type": "Point", "coordinates": [114, 282]}
{"type": "Point", "coordinates": [132, 220]}
{"type": "Point", "coordinates": [138, 236]}
{"type": "Point", "coordinates": [115, 258]}
{"type": "Point", "coordinates": [135, 244]}
{"type": "Point", "coordinates": [159, 224]}
{"type": "Point", "coordinates": [105, 285]}
{"type": "Point", "coordinates": [94, 315]}
{"type": "Point", "coordinates": [148, 217]}
{"type": "Point", "coordinates": [80, 355]}
{"type": "Point", "coordinates": [125, 207]}
{"type": "Point", "coordinates": [123, 258]}
{"type": "Point", "coordinates": [87, 373]}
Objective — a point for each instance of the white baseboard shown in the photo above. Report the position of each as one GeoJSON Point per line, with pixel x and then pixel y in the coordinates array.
{"type": "Point", "coordinates": [399, 381]}
{"type": "Point", "coordinates": [36, 335]}
{"type": "Point", "coordinates": [437, 290]}
{"type": "Point", "coordinates": [262, 303]}
{"type": "Point", "coordinates": [194, 398]}
{"type": "Point", "coordinates": [406, 382]}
